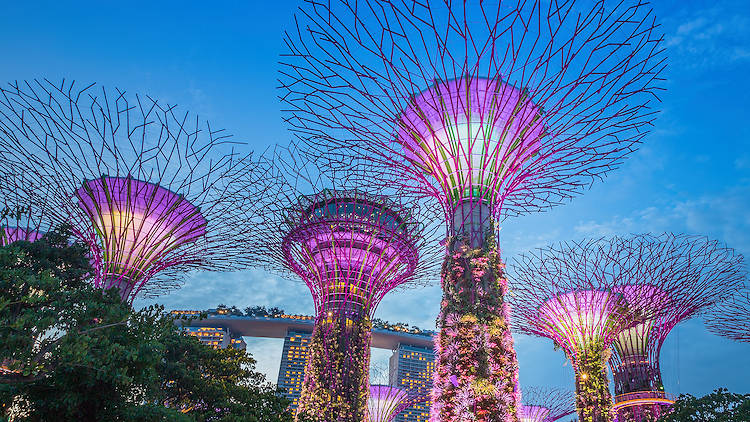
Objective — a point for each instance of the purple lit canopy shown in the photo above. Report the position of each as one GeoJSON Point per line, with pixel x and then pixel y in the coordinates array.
{"type": "Point", "coordinates": [153, 191]}
{"type": "Point", "coordinates": [469, 133]}
{"type": "Point", "coordinates": [541, 404]}
{"type": "Point", "coordinates": [482, 102]}
{"type": "Point", "coordinates": [350, 243]}
{"type": "Point", "coordinates": [137, 224]}
{"type": "Point", "coordinates": [386, 402]}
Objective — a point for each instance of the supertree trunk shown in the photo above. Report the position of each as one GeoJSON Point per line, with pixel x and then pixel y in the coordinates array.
{"type": "Point", "coordinates": [336, 384]}
{"type": "Point", "coordinates": [476, 376]}
{"type": "Point", "coordinates": [593, 400]}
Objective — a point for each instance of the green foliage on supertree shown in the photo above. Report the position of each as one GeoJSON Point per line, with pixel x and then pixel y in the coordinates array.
{"type": "Point", "coordinates": [593, 399]}
{"type": "Point", "coordinates": [477, 371]}
{"type": "Point", "coordinates": [718, 406]}
{"type": "Point", "coordinates": [70, 352]}
{"type": "Point", "coordinates": [336, 386]}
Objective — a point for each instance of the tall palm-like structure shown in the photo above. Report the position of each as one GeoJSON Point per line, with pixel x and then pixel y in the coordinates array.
{"type": "Point", "coordinates": [351, 241]}
{"type": "Point", "coordinates": [490, 108]}
{"type": "Point", "coordinates": [702, 272]}
{"type": "Point", "coordinates": [151, 189]}
{"type": "Point", "coordinates": [585, 294]}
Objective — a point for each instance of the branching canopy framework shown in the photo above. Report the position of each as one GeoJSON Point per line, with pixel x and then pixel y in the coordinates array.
{"type": "Point", "coordinates": [687, 275]}
{"type": "Point", "coordinates": [572, 292]}
{"type": "Point", "coordinates": [518, 104]}
{"type": "Point", "coordinates": [543, 404]}
{"type": "Point", "coordinates": [151, 189]}
{"type": "Point", "coordinates": [732, 318]}
{"type": "Point", "coordinates": [386, 401]}
{"type": "Point", "coordinates": [346, 235]}
{"type": "Point", "coordinates": [20, 218]}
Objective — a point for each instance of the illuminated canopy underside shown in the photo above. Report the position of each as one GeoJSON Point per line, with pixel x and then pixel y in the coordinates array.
{"type": "Point", "coordinates": [9, 235]}
{"type": "Point", "coordinates": [634, 343]}
{"type": "Point", "coordinates": [350, 253]}
{"type": "Point", "coordinates": [534, 414]}
{"type": "Point", "coordinates": [470, 134]}
{"type": "Point", "coordinates": [581, 318]}
{"type": "Point", "coordinates": [138, 225]}
{"type": "Point", "coordinates": [386, 402]}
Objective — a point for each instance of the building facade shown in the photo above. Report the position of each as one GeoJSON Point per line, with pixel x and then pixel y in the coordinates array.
{"type": "Point", "coordinates": [411, 368]}
{"type": "Point", "coordinates": [292, 369]}
{"type": "Point", "coordinates": [216, 337]}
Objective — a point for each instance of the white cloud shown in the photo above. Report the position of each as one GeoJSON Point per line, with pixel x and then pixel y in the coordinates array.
{"type": "Point", "coordinates": [708, 37]}
{"type": "Point", "coordinates": [723, 216]}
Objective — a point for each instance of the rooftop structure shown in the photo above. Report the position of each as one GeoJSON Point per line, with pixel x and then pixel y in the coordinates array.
{"type": "Point", "coordinates": [546, 404]}
{"type": "Point", "coordinates": [149, 189]}
{"type": "Point", "coordinates": [350, 246]}
{"type": "Point", "coordinates": [582, 295]}
{"type": "Point", "coordinates": [701, 273]}
{"type": "Point", "coordinates": [216, 337]}
{"type": "Point", "coordinates": [277, 326]}
{"type": "Point", "coordinates": [490, 109]}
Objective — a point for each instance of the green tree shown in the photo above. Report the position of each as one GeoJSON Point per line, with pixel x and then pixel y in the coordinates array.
{"type": "Point", "coordinates": [70, 352]}
{"type": "Point", "coordinates": [217, 384]}
{"type": "Point", "coordinates": [719, 406]}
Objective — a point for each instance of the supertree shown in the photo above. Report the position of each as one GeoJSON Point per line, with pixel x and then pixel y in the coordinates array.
{"type": "Point", "coordinates": [546, 404]}
{"type": "Point", "coordinates": [350, 243]}
{"type": "Point", "coordinates": [703, 272]}
{"type": "Point", "coordinates": [491, 108]}
{"type": "Point", "coordinates": [731, 318]}
{"type": "Point", "coordinates": [386, 402]}
{"type": "Point", "coordinates": [582, 295]}
{"type": "Point", "coordinates": [151, 190]}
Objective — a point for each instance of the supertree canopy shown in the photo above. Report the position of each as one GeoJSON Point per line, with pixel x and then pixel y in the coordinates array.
{"type": "Point", "coordinates": [490, 108]}
{"type": "Point", "coordinates": [351, 244]}
{"type": "Point", "coordinates": [582, 295]}
{"type": "Point", "coordinates": [731, 318]}
{"type": "Point", "coordinates": [386, 402]}
{"type": "Point", "coordinates": [702, 272]}
{"type": "Point", "coordinates": [546, 404]}
{"type": "Point", "coordinates": [151, 190]}
{"type": "Point", "coordinates": [20, 218]}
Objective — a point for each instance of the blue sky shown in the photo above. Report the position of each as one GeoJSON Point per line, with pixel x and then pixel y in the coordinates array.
{"type": "Point", "coordinates": [692, 174]}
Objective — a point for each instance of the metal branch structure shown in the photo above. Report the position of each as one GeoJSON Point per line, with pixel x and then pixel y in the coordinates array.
{"type": "Point", "coordinates": [351, 241]}
{"type": "Point", "coordinates": [702, 273]}
{"type": "Point", "coordinates": [584, 295]}
{"type": "Point", "coordinates": [541, 404]}
{"type": "Point", "coordinates": [153, 191]}
{"type": "Point", "coordinates": [731, 318]}
{"type": "Point", "coordinates": [492, 109]}
{"type": "Point", "coordinates": [386, 402]}
{"type": "Point", "coordinates": [20, 218]}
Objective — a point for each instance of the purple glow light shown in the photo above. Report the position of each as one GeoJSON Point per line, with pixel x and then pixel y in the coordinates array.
{"type": "Point", "coordinates": [9, 235]}
{"type": "Point", "coordinates": [468, 133]}
{"type": "Point", "coordinates": [350, 250]}
{"type": "Point", "coordinates": [530, 413]}
{"type": "Point", "coordinates": [137, 224]}
{"type": "Point", "coordinates": [577, 318]}
{"type": "Point", "coordinates": [386, 402]}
